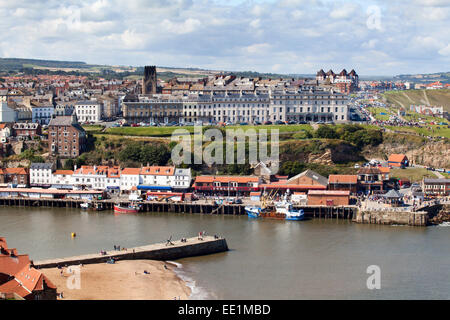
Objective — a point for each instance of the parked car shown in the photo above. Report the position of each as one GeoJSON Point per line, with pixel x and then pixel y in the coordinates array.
{"type": "Point", "coordinates": [268, 123]}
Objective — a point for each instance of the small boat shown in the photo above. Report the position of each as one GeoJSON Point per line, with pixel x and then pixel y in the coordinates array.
{"type": "Point", "coordinates": [253, 212]}
{"type": "Point", "coordinates": [85, 206]}
{"type": "Point", "coordinates": [132, 208]}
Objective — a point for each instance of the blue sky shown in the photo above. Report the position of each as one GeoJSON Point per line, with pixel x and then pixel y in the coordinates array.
{"type": "Point", "coordinates": [282, 36]}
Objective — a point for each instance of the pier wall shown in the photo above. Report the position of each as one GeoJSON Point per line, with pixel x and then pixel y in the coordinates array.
{"type": "Point", "coordinates": [417, 219]}
{"type": "Point", "coordinates": [162, 252]}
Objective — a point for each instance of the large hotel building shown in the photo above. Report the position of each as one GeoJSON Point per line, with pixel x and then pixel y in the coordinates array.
{"type": "Point", "coordinates": [311, 104]}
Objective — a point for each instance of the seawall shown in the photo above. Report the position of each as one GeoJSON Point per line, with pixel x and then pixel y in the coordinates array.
{"type": "Point", "coordinates": [160, 251]}
{"type": "Point", "coordinates": [416, 219]}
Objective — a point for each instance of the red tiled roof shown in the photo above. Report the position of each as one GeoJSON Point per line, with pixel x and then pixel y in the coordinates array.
{"type": "Point", "coordinates": [158, 171]}
{"type": "Point", "coordinates": [11, 265]}
{"type": "Point", "coordinates": [396, 158]}
{"type": "Point", "coordinates": [13, 286]}
{"type": "Point", "coordinates": [340, 178]}
{"type": "Point", "coordinates": [385, 169]}
{"type": "Point", "coordinates": [132, 171]}
{"type": "Point", "coordinates": [66, 172]}
{"type": "Point", "coordinates": [225, 179]}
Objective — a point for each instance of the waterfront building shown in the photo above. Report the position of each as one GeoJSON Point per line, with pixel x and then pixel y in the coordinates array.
{"type": "Point", "coordinates": [41, 174]}
{"type": "Point", "coordinates": [371, 179]}
{"type": "Point", "coordinates": [62, 179]}
{"type": "Point", "coordinates": [89, 111]}
{"type": "Point", "coordinates": [226, 185]}
{"type": "Point", "coordinates": [343, 183]}
{"type": "Point", "coordinates": [307, 180]}
{"type": "Point", "coordinates": [436, 187]}
{"type": "Point", "coordinates": [328, 198]}
{"type": "Point", "coordinates": [129, 178]}
{"type": "Point", "coordinates": [66, 137]}
{"type": "Point", "coordinates": [15, 176]}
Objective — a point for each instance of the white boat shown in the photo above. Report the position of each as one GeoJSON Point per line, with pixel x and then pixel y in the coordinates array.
{"type": "Point", "coordinates": [253, 212]}
{"type": "Point", "coordinates": [286, 208]}
{"type": "Point", "coordinates": [85, 205]}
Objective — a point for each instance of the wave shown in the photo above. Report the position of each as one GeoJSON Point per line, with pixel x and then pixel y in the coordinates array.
{"type": "Point", "coordinates": [197, 292]}
{"type": "Point", "coordinates": [444, 224]}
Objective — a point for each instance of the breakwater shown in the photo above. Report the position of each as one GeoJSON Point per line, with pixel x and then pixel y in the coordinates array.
{"type": "Point", "coordinates": [392, 217]}
{"type": "Point", "coordinates": [160, 251]}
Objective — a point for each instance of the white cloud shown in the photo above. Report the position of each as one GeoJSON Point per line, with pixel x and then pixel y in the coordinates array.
{"type": "Point", "coordinates": [290, 36]}
{"type": "Point", "coordinates": [445, 51]}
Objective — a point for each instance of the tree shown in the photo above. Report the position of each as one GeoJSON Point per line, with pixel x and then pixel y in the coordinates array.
{"type": "Point", "coordinates": [326, 132]}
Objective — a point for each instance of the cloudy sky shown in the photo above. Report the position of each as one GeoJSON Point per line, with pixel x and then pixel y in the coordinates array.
{"type": "Point", "coordinates": [284, 36]}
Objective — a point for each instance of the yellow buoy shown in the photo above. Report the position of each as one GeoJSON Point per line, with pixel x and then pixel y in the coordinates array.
{"type": "Point", "coordinates": [73, 234]}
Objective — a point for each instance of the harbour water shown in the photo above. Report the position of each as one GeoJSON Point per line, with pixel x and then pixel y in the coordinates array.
{"type": "Point", "coordinates": [268, 259]}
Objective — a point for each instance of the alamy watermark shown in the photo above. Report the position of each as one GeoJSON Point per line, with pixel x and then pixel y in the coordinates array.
{"type": "Point", "coordinates": [374, 281]}
{"type": "Point", "coordinates": [213, 147]}
{"type": "Point", "coordinates": [373, 18]}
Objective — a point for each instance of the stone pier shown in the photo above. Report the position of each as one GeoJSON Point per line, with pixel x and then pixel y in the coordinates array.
{"type": "Point", "coordinates": [160, 251]}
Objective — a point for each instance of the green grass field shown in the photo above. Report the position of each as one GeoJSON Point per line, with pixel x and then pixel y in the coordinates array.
{"type": "Point", "coordinates": [412, 174]}
{"type": "Point", "coordinates": [167, 131]}
{"type": "Point", "coordinates": [433, 131]}
{"type": "Point", "coordinates": [376, 112]}
{"type": "Point", "coordinates": [419, 97]}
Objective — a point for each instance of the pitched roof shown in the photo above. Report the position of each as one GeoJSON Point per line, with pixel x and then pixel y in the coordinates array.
{"type": "Point", "coordinates": [312, 175]}
{"type": "Point", "coordinates": [340, 178]}
{"type": "Point", "coordinates": [10, 265]}
{"type": "Point", "coordinates": [41, 166]}
{"type": "Point", "coordinates": [131, 171]}
{"type": "Point", "coordinates": [158, 171]}
{"type": "Point", "coordinates": [397, 158]}
{"type": "Point", "coordinates": [66, 172]}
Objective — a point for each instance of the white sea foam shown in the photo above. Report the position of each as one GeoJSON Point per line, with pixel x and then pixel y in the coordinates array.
{"type": "Point", "coordinates": [444, 224]}
{"type": "Point", "coordinates": [197, 292]}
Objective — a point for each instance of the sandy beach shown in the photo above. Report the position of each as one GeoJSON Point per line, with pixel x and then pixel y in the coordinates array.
{"type": "Point", "coordinates": [124, 280]}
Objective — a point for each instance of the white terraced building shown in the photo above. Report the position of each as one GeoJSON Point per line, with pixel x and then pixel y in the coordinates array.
{"type": "Point", "coordinates": [89, 111]}
{"type": "Point", "coordinates": [41, 174]}
{"type": "Point", "coordinates": [308, 103]}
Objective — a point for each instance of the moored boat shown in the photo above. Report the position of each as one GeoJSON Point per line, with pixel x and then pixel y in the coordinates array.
{"type": "Point", "coordinates": [132, 208]}
{"type": "Point", "coordinates": [85, 206]}
{"type": "Point", "coordinates": [253, 212]}
{"type": "Point", "coordinates": [285, 208]}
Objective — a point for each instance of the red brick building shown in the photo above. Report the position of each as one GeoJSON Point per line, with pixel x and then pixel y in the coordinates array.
{"type": "Point", "coordinates": [66, 137]}
{"type": "Point", "coordinates": [14, 176]}
{"type": "Point", "coordinates": [328, 198]}
{"type": "Point", "coordinates": [27, 130]}
{"type": "Point", "coordinates": [343, 183]}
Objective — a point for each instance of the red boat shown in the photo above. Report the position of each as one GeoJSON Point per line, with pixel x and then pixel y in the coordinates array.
{"type": "Point", "coordinates": [130, 209]}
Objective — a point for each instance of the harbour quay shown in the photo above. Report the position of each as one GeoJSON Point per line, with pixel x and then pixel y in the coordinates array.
{"type": "Point", "coordinates": [171, 250]}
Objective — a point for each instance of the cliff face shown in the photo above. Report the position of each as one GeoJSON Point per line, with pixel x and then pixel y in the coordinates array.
{"type": "Point", "coordinates": [326, 152]}
{"type": "Point", "coordinates": [430, 154]}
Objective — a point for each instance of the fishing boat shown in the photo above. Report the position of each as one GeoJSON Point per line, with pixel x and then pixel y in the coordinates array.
{"type": "Point", "coordinates": [253, 212]}
{"type": "Point", "coordinates": [285, 208]}
{"type": "Point", "coordinates": [132, 208]}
